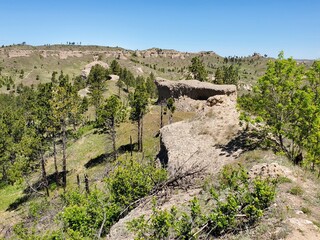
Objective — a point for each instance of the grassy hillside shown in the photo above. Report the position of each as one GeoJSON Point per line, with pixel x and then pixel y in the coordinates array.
{"type": "Point", "coordinates": [88, 150]}
{"type": "Point", "coordinates": [38, 63]}
{"type": "Point", "coordinates": [85, 155]}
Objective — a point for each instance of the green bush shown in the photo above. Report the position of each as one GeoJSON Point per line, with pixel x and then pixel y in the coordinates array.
{"type": "Point", "coordinates": [132, 180]}
{"type": "Point", "coordinates": [306, 210]}
{"type": "Point", "coordinates": [36, 209]}
{"type": "Point", "coordinates": [235, 204]}
{"type": "Point", "coordinates": [90, 215]}
{"type": "Point", "coordinates": [283, 179]}
{"type": "Point", "coordinates": [296, 190]}
{"type": "Point", "coordinates": [75, 218]}
{"type": "Point", "coordinates": [84, 214]}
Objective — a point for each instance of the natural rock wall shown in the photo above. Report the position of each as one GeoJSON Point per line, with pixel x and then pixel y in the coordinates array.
{"type": "Point", "coordinates": [122, 54]}
{"type": "Point", "coordinates": [193, 89]}
{"type": "Point", "coordinates": [196, 143]}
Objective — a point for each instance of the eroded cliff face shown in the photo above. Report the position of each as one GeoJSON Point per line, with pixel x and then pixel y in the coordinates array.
{"type": "Point", "coordinates": [80, 51]}
{"type": "Point", "coordinates": [193, 89]}
{"type": "Point", "coordinates": [195, 143]}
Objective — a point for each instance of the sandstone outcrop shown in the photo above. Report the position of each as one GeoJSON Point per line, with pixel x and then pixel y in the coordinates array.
{"type": "Point", "coordinates": [193, 89]}
{"type": "Point", "coordinates": [114, 77]}
{"type": "Point", "coordinates": [216, 100]}
{"type": "Point", "coordinates": [189, 144]}
{"type": "Point", "coordinates": [122, 54]}
{"type": "Point", "coordinates": [87, 68]}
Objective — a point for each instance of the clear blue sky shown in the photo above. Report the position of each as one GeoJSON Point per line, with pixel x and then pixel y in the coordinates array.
{"type": "Point", "coordinates": [228, 27]}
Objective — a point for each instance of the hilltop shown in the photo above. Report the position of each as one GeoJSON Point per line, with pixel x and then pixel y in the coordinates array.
{"type": "Point", "coordinates": [38, 62]}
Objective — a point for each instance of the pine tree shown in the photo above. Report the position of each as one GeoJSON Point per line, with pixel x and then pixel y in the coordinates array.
{"type": "Point", "coordinates": [198, 70]}
{"type": "Point", "coordinates": [120, 85]}
{"type": "Point", "coordinates": [138, 103]}
{"type": "Point", "coordinates": [65, 107]}
{"type": "Point", "coordinates": [97, 84]}
{"type": "Point", "coordinates": [115, 67]}
{"type": "Point", "coordinates": [151, 87]}
{"type": "Point", "coordinates": [109, 116]}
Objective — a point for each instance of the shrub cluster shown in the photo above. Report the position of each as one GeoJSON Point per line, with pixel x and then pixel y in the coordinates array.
{"type": "Point", "coordinates": [234, 204]}
{"type": "Point", "coordinates": [90, 215]}
{"type": "Point", "coordinates": [93, 214]}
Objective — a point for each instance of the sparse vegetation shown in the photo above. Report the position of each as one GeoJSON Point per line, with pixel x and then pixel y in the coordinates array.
{"type": "Point", "coordinates": [296, 190]}
{"type": "Point", "coordinates": [306, 210]}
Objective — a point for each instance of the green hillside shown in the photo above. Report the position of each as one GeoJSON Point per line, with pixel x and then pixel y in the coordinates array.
{"type": "Point", "coordinates": [264, 179]}
{"type": "Point", "coordinates": [38, 63]}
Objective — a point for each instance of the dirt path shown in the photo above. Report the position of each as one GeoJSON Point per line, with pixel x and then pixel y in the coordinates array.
{"type": "Point", "coordinates": [28, 74]}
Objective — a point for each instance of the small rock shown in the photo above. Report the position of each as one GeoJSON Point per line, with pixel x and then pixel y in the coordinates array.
{"type": "Point", "coordinates": [215, 100]}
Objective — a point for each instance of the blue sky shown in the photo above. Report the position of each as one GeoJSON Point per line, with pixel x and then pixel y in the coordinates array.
{"type": "Point", "coordinates": [228, 27]}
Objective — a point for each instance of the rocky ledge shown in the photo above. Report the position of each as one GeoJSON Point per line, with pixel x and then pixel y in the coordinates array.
{"type": "Point", "coordinates": [193, 89]}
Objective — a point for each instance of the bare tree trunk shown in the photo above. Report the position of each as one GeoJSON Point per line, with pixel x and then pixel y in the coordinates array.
{"type": "Point", "coordinates": [141, 134]}
{"type": "Point", "coordinates": [64, 157]}
{"type": "Point", "coordinates": [283, 148]}
{"type": "Point", "coordinates": [44, 174]}
{"type": "Point", "coordinates": [139, 140]}
{"type": "Point", "coordinates": [56, 172]}
{"type": "Point", "coordinates": [86, 183]}
{"type": "Point", "coordinates": [113, 137]}
{"type": "Point", "coordinates": [131, 146]}
{"type": "Point", "coordinates": [281, 141]}
{"type": "Point", "coordinates": [161, 116]}
{"type": "Point", "coordinates": [78, 181]}
{"type": "Point", "coordinates": [4, 174]}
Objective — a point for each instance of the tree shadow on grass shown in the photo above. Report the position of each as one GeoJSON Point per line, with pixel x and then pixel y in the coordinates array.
{"type": "Point", "coordinates": [128, 147]}
{"type": "Point", "coordinates": [98, 160]}
{"type": "Point", "coordinates": [40, 185]}
{"type": "Point", "coordinates": [18, 202]}
{"type": "Point", "coordinates": [104, 158]}
{"type": "Point", "coordinates": [36, 188]}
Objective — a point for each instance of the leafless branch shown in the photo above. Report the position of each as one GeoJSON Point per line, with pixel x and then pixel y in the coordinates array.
{"type": "Point", "coordinates": [32, 188]}
{"type": "Point", "coordinates": [102, 224]}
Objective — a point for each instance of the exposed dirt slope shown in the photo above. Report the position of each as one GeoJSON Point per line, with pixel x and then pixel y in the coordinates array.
{"type": "Point", "coordinates": [196, 142]}
{"type": "Point", "coordinates": [189, 145]}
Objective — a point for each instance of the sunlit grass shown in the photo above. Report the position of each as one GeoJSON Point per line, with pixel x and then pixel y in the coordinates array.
{"type": "Point", "coordinates": [9, 194]}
